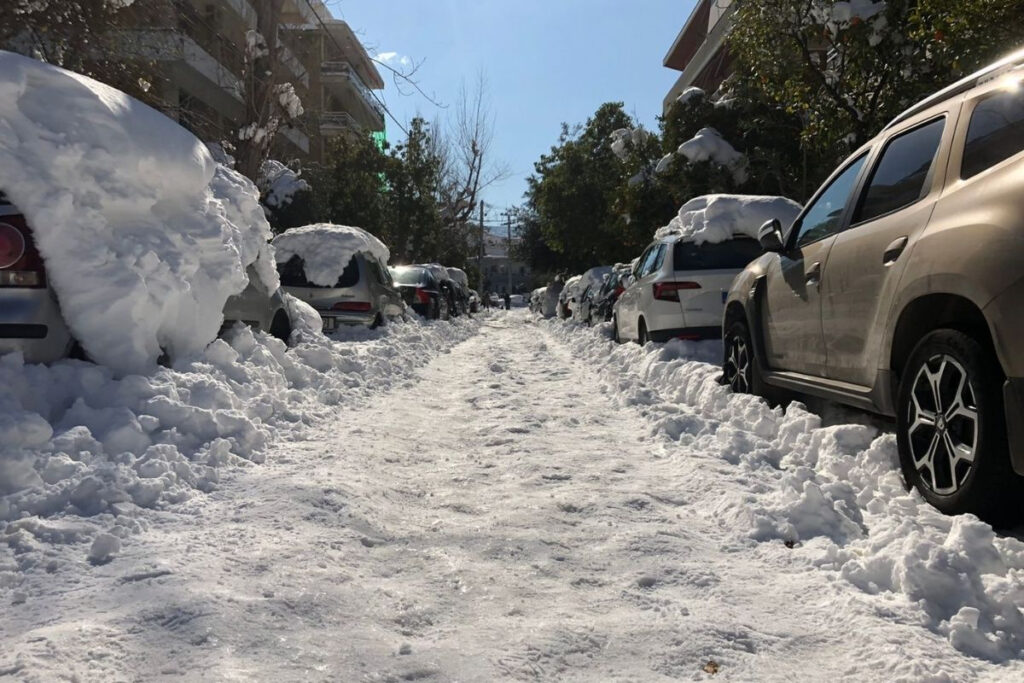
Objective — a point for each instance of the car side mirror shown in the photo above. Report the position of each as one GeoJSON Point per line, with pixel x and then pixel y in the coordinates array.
{"type": "Point", "coordinates": [770, 236]}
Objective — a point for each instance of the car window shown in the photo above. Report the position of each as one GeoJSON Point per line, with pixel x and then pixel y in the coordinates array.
{"type": "Point", "coordinates": [385, 273]}
{"type": "Point", "coordinates": [996, 132]}
{"type": "Point", "coordinates": [659, 259]}
{"type": "Point", "coordinates": [410, 276]}
{"type": "Point", "coordinates": [823, 217]}
{"type": "Point", "coordinates": [898, 179]}
{"type": "Point", "coordinates": [733, 254]}
{"type": "Point", "coordinates": [293, 274]}
{"type": "Point", "coordinates": [642, 261]}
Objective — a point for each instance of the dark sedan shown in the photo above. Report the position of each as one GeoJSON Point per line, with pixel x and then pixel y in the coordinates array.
{"type": "Point", "coordinates": [422, 291]}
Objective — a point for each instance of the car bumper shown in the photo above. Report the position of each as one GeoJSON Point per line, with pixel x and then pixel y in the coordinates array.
{"type": "Point", "coordinates": [333, 320]}
{"type": "Point", "coordinates": [687, 333]}
{"type": "Point", "coordinates": [31, 322]}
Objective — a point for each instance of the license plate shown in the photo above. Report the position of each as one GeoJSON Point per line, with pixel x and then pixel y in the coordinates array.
{"type": "Point", "coordinates": [328, 324]}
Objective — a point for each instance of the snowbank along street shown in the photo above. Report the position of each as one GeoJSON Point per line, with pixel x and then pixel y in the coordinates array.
{"type": "Point", "coordinates": [531, 501]}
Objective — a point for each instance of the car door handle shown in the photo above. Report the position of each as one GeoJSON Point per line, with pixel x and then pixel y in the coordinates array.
{"type": "Point", "coordinates": [813, 276]}
{"type": "Point", "coordinates": [893, 251]}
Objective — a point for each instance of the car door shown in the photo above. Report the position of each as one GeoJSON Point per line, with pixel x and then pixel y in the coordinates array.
{"type": "Point", "coordinates": [867, 259]}
{"type": "Point", "coordinates": [791, 309]}
{"type": "Point", "coordinates": [629, 301]}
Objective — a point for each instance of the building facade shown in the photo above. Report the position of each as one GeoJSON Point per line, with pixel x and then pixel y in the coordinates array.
{"type": "Point", "coordinates": [199, 46]}
{"type": "Point", "coordinates": [500, 270]}
{"type": "Point", "coordinates": [699, 52]}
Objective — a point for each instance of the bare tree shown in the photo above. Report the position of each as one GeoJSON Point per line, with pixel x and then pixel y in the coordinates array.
{"type": "Point", "coordinates": [468, 166]}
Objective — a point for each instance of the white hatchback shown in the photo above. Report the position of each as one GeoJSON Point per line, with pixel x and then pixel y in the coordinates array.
{"type": "Point", "coordinates": [678, 289]}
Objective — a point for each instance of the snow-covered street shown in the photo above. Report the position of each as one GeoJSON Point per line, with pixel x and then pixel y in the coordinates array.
{"type": "Point", "coordinates": [537, 503]}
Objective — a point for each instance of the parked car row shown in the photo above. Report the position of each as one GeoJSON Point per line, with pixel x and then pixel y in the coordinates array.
{"type": "Point", "coordinates": [896, 290]}
{"type": "Point", "coordinates": [367, 293]}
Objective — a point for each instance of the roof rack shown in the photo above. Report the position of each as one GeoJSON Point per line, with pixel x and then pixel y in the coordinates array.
{"type": "Point", "coordinates": [994, 70]}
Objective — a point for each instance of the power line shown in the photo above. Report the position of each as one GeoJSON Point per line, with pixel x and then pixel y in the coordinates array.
{"type": "Point", "coordinates": [342, 51]}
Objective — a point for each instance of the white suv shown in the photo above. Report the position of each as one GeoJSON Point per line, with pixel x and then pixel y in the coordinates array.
{"type": "Point", "coordinates": [678, 289]}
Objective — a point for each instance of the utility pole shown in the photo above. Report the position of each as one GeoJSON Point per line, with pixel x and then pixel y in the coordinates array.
{"type": "Point", "coordinates": [508, 250]}
{"type": "Point", "coordinates": [480, 256]}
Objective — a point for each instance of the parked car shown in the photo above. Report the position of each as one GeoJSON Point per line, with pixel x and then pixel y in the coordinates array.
{"type": "Point", "coordinates": [678, 288]}
{"type": "Point", "coordinates": [474, 301]}
{"type": "Point", "coordinates": [421, 291]}
{"type": "Point", "coordinates": [448, 286]}
{"type": "Point", "coordinates": [363, 295]}
{"type": "Point", "coordinates": [567, 296]}
{"type": "Point", "coordinates": [898, 290]}
{"type": "Point", "coordinates": [259, 308]}
{"type": "Point", "coordinates": [30, 317]}
{"type": "Point", "coordinates": [603, 300]}
{"type": "Point", "coordinates": [589, 283]}
{"type": "Point", "coordinates": [461, 288]}
{"type": "Point", "coordinates": [537, 299]}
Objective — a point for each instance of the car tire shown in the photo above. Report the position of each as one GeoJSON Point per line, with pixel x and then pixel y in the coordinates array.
{"type": "Point", "coordinates": [378, 321]}
{"type": "Point", "coordinates": [739, 366]}
{"type": "Point", "coordinates": [641, 333]}
{"type": "Point", "coordinates": [951, 429]}
{"type": "Point", "coordinates": [281, 327]}
{"type": "Point", "coordinates": [615, 330]}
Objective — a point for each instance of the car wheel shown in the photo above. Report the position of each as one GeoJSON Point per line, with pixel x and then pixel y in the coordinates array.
{"type": "Point", "coordinates": [281, 327]}
{"type": "Point", "coordinates": [738, 367]}
{"type": "Point", "coordinates": [615, 330]}
{"type": "Point", "coordinates": [377, 322]}
{"type": "Point", "coordinates": [951, 428]}
{"type": "Point", "coordinates": [641, 333]}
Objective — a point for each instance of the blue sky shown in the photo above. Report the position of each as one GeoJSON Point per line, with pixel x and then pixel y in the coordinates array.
{"type": "Point", "coordinates": [545, 62]}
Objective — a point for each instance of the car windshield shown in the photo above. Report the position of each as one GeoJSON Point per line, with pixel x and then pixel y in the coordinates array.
{"type": "Point", "coordinates": [732, 254]}
{"type": "Point", "coordinates": [409, 276]}
{"type": "Point", "coordinates": [293, 274]}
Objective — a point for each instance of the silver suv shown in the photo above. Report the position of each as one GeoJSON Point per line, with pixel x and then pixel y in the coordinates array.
{"type": "Point", "coordinates": [364, 294]}
{"type": "Point", "coordinates": [899, 290]}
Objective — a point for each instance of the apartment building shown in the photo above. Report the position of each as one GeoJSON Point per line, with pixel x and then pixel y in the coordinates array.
{"type": "Point", "coordinates": [499, 269]}
{"type": "Point", "coordinates": [199, 46]}
{"type": "Point", "coordinates": [699, 52]}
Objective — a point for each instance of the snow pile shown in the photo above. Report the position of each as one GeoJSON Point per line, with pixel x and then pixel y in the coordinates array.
{"type": "Point", "coordinates": [81, 450]}
{"type": "Point", "coordinates": [625, 139]}
{"type": "Point", "coordinates": [144, 236]}
{"type": "Point", "coordinates": [326, 249]}
{"type": "Point", "coordinates": [835, 14]}
{"type": "Point", "coordinates": [279, 184]}
{"type": "Point", "coordinates": [718, 217]}
{"type": "Point", "coordinates": [664, 163]}
{"type": "Point", "coordinates": [831, 492]}
{"type": "Point", "coordinates": [709, 145]}
{"type": "Point", "coordinates": [690, 94]}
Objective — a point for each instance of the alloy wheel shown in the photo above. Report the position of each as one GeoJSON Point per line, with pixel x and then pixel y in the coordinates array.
{"type": "Point", "coordinates": [943, 424]}
{"type": "Point", "coordinates": [738, 366]}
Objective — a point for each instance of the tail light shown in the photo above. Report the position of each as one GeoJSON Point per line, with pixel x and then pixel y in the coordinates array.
{"type": "Point", "coordinates": [422, 296]}
{"type": "Point", "coordinates": [352, 306]}
{"type": "Point", "coordinates": [20, 263]}
{"type": "Point", "coordinates": [669, 291]}
{"type": "Point", "coordinates": [619, 289]}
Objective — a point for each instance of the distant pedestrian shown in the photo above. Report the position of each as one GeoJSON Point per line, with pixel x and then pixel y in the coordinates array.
{"type": "Point", "coordinates": [508, 301]}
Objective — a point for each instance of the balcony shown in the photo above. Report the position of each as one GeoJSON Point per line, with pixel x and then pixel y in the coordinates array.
{"type": "Point", "coordinates": [337, 122]}
{"type": "Point", "coordinates": [334, 73]}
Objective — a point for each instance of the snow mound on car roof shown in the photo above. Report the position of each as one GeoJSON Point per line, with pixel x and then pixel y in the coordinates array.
{"type": "Point", "coordinates": [144, 235]}
{"type": "Point", "coordinates": [719, 217]}
{"type": "Point", "coordinates": [325, 249]}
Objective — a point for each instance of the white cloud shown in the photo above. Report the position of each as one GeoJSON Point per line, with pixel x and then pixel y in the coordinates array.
{"type": "Point", "coordinates": [393, 59]}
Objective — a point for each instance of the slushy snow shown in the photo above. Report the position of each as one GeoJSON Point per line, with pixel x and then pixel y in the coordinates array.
{"type": "Point", "coordinates": [326, 249]}
{"type": "Point", "coordinates": [144, 236]}
{"type": "Point", "coordinates": [720, 217]}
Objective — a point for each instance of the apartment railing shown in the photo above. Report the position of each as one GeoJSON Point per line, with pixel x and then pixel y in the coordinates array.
{"type": "Point", "coordinates": [335, 68]}
{"type": "Point", "coordinates": [338, 119]}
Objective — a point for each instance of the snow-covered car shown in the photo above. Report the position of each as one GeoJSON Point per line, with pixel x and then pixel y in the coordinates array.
{"type": "Point", "coordinates": [474, 301]}
{"type": "Point", "coordinates": [461, 289]}
{"type": "Point", "coordinates": [30, 317]}
{"type": "Point", "coordinates": [602, 300]}
{"type": "Point", "coordinates": [421, 290]}
{"type": "Point", "coordinates": [340, 271]}
{"type": "Point", "coordinates": [678, 289]}
{"type": "Point", "coordinates": [567, 296]}
{"type": "Point", "coordinates": [260, 308]}
{"type": "Point", "coordinates": [537, 299]}
{"type": "Point", "coordinates": [447, 285]}
{"type": "Point", "coordinates": [590, 281]}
